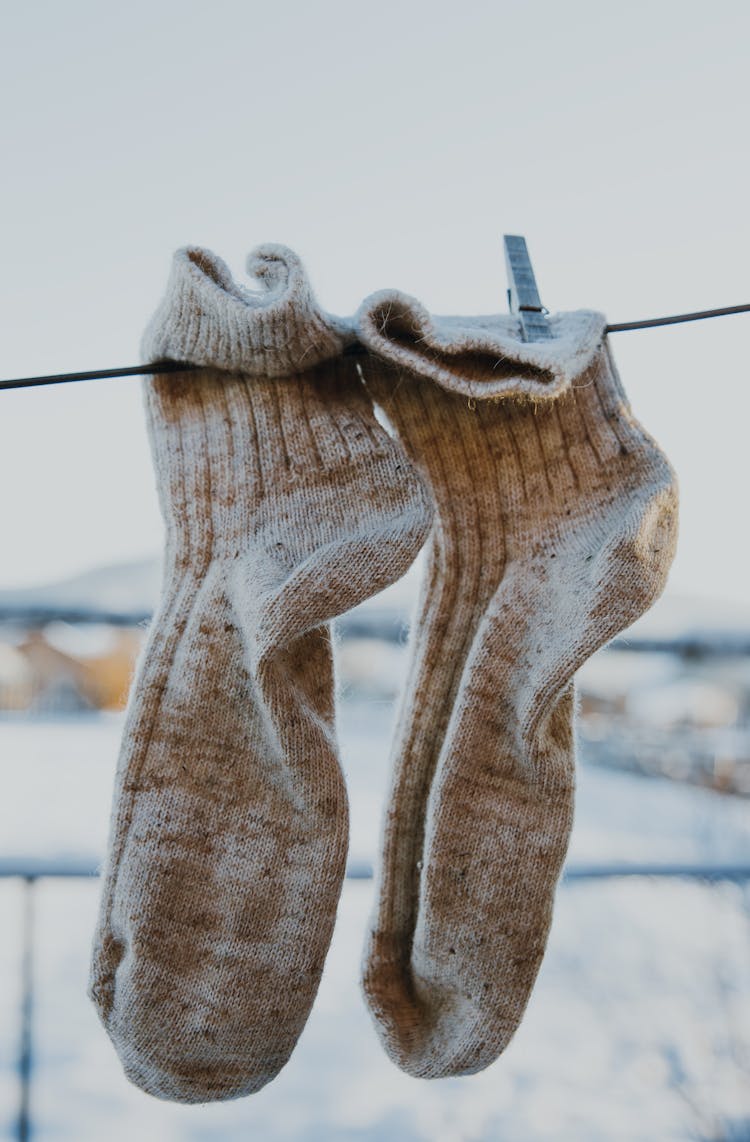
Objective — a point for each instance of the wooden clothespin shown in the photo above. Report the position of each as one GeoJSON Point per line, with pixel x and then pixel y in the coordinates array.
{"type": "Point", "coordinates": [523, 296]}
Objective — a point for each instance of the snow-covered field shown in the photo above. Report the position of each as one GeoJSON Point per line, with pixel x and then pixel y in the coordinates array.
{"type": "Point", "coordinates": [639, 1027]}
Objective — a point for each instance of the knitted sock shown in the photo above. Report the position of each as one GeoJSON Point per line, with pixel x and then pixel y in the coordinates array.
{"type": "Point", "coordinates": [555, 529]}
{"type": "Point", "coordinates": [285, 504]}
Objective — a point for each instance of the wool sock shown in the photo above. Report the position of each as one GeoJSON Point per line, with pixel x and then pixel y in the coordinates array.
{"type": "Point", "coordinates": [555, 529]}
{"type": "Point", "coordinates": [285, 503]}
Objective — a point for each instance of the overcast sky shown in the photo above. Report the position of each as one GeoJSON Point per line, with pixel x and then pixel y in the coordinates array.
{"type": "Point", "coordinates": [390, 145]}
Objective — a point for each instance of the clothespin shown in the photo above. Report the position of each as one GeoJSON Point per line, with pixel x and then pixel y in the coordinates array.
{"type": "Point", "coordinates": [523, 296]}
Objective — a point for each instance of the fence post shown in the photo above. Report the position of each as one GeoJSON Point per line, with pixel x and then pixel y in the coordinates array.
{"type": "Point", "coordinates": [23, 1127]}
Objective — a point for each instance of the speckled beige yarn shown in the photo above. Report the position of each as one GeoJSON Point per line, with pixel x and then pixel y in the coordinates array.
{"type": "Point", "coordinates": [555, 529]}
{"type": "Point", "coordinates": [285, 504]}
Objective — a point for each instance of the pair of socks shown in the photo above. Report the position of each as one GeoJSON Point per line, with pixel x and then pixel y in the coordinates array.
{"type": "Point", "coordinates": [285, 504]}
{"type": "Point", "coordinates": [555, 526]}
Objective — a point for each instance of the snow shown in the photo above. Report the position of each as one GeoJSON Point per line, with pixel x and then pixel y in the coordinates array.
{"type": "Point", "coordinates": [638, 1029]}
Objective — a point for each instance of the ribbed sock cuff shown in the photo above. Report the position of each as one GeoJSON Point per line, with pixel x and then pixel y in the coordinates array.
{"type": "Point", "coordinates": [480, 357]}
{"type": "Point", "coordinates": [206, 318]}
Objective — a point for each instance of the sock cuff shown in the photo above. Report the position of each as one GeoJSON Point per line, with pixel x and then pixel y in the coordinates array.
{"type": "Point", "coordinates": [480, 357]}
{"type": "Point", "coordinates": [206, 318]}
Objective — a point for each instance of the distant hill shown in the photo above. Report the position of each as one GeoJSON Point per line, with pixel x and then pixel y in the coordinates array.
{"type": "Point", "coordinates": [123, 592]}
{"type": "Point", "coordinates": [127, 593]}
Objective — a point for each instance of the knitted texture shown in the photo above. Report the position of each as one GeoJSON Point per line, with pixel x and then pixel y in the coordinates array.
{"type": "Point", "coordinates": [555, 529]}
{"type": "Point", "coordinates": [285, 503]}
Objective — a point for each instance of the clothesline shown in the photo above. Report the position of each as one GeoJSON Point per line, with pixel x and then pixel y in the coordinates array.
{"type": "Point", "coordinates": [158, 367]}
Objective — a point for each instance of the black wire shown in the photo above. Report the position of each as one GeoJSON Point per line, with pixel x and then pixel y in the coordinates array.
{"type": "Point", "coordinates": [100, 374]}
{"type": "Point", "coordinates": [678, 318]}
{"type": "Point", "coordinates": [158, 367]}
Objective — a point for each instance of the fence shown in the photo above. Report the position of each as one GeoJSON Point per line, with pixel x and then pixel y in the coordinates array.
{"type": "Point", "coordinates": [29, 872]}
{"type": "Point", "coordinates": [390, 628]}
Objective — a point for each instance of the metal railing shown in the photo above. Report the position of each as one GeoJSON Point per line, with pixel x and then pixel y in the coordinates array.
{"type": "Point", "coordinates": [30, 871]}
{"type": "Point", "coordinates": [389, 627]}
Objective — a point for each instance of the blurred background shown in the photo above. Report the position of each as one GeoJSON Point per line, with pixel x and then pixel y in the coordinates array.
{"type": "Point", "coordinates": [390, 145]}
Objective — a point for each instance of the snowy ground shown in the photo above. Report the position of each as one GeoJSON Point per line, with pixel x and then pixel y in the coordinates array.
{"type": "Point", "coordinates": [639, 1027]}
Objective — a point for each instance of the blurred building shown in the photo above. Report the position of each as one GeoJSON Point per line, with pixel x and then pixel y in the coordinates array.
{"type": "Point", "coordinates": [38, 676]}
{"type": "Point", "coordinates": [670, 699]}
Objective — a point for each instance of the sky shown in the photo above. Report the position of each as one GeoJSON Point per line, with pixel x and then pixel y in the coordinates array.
{"type": "Point", "coordinates": [390, 145]}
